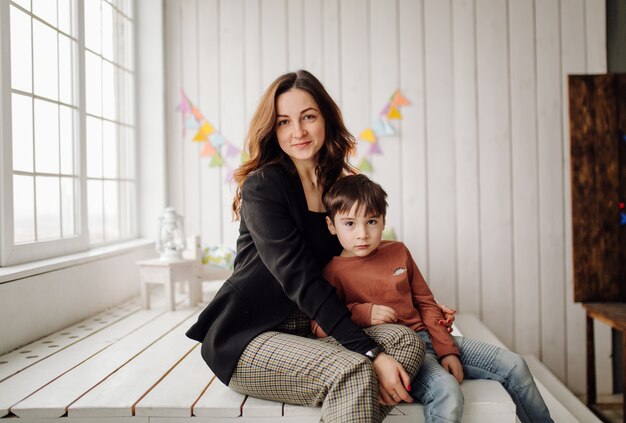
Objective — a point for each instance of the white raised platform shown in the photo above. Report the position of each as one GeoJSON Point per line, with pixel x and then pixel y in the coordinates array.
{"type": "Point", "coordinates": [128, 364]}
{"type": "Point", "coordinates": [564, 406]}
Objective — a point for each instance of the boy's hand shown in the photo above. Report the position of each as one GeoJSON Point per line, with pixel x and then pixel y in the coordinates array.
{"type": "Point", "coordinates": [383, 314]}
{"type": "Point", "coordinates": [452, 364]}
{"type": "Point", "coordinates": [448, 314]}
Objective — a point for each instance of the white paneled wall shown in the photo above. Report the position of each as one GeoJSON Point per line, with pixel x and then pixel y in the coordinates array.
{"type": "Point", "coordinates": [478, 171]}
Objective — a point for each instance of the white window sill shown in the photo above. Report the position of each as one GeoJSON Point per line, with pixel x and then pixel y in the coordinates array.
{"type": "Point", "coordinates": [21, 271]}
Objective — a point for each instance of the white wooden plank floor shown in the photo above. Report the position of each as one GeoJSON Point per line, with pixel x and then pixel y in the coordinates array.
{"type": "Point", "coordinates": [133, 365]}
{"type": "Point", "coordinates": [168, 398]}
{"type": "Point", "coordinates": [24, 357]}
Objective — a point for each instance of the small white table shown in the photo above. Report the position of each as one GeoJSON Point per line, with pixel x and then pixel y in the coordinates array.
{"type": "Point", "coordinates": [167, 272]}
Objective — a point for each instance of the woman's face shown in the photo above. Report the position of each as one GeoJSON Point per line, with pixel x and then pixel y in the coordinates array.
{"type": "Point", "coordinates": [300, 126]}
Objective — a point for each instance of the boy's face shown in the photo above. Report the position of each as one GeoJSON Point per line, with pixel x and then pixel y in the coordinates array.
{"type": "Point", "coordinates": [359, 235]}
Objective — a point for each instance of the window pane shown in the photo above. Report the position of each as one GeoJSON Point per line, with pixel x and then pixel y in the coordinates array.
{"type": "Point", "coordinates": [46, 136]}
{"type": "Point", "coordinates": [94, 206]}
{"type": "Point", "coordinates": [94, 147]}
{"type": "Point", "coordinates": [21, 65]}
{"type": "Point", "coordinates": [108, 91]}
{"type": "Point", "coordinates": [66, 8]}
{"type": "Point", "coordinates": [23, 208]}
{"type": "Point", "coordinates": [119, 4]}
{"type": "Point", "coordinates": [107, 31]}
{"type": "Point", "coordinates": [126, 97]}
{"type": "Point", "coordinates": [109, 150]}
{"type": "Point", "coordinates": [111, 210]}
{"type": "Point", "coordinates": [67, 139]}
{"type": "Point", "coordinates": [126, 202]}
{"type": "Point", "coordinates": [127, 36]}
{"type": "Point", "coordinates": [127, 7]}
{"type": "Point", "coordinates": [45, 139]}
{"type": "Point", "coordinates": [22, 133]}
{"type": "Point", "coordinates": [122, 54]}
{"type": "Point", "coordinates": [46, 10]}
{"type": "Point", "coordinates": [45, 60]}
{"type": "Point", "coordinates": [130, 98]}
{"type": "Point", "coordinates": [48, 207]}
{"type": "Point", "coordinates": [127, 153]}
{"type": "Point", "coordinates": [66, 69]}
{"type": "Point", "coordinates": [121, 95]}
{"type": "Point", "coordinates": [68, 206]}
{"type": "Point", "coordinates": [92, 25]}
{"type": "Point", "coordinates": [93, 82]}
{"type": "Point", "coordinates": [24, 3]}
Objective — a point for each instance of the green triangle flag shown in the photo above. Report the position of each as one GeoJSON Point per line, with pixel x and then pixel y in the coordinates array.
{"type": "Point", "coordinates": [389, 235]}
{"type": "Point", "coordinates": [244, 156]}
{"type": "Point", "coordinates": [365, 165]}
{"type": "Point", "coordinates": [216, 160]}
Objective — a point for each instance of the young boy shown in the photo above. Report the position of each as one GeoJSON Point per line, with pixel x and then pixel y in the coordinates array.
{"type": "Point", "coordinates": [380, 283]}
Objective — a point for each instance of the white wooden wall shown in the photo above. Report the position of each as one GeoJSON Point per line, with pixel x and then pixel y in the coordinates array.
{"type": "Point", "coordinates": [478, 173]}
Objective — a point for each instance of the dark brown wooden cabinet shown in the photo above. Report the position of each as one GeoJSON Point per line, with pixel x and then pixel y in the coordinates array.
{"type": "Point", "coordinates": [597, 106]}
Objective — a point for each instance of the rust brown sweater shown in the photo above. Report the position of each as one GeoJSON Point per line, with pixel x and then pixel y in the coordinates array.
{"type": "Point", "coordinates": [390, 277]}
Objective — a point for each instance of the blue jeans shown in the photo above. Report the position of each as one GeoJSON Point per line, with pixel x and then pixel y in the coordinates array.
{"type": "Point", "coordinates": [441, 394]}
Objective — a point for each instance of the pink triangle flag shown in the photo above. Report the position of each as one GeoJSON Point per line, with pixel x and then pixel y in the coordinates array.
{"type": "Point", "coordinates": [183, 106]}
{"type": "Point", "coordinates": [385, 109]}
{"type": "Point", "coordinates": [231, 150]}
{"type": "Point", "coordinates": [196, 113]}
{"type": "Point", "coordinates": [399, 99]}
{"type": "Point", "coordinates": [375, 149]}
{"type": "Point", "coordinates": [208, 150]}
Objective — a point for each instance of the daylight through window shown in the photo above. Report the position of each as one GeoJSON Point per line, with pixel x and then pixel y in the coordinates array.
{"type": "Point", "coordinates": [72, 137]}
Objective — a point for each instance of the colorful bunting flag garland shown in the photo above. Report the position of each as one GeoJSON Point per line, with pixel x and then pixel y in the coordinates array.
{"type": "Point", "coordinates": [215, 145]}
{"type": "Point", "coordinates": [381, 127]}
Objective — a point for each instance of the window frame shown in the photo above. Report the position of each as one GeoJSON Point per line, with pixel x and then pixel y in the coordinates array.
{"type": "Point", "coordinates": [10, 253]}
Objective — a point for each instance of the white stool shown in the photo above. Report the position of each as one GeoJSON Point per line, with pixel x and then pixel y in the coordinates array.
{"type": "Point", "coordinates": [167, 273]}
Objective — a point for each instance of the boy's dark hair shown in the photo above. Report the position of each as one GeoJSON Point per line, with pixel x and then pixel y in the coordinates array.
{"type": "Point", "coordinates": [351, 189]}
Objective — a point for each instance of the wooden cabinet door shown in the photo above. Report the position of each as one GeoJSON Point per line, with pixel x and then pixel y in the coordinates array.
{"type": "Point", "coordinates": [597, 106]}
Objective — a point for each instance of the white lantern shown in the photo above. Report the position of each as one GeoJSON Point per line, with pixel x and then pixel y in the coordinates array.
{"type": "Point", "coordinates": [171, 235]}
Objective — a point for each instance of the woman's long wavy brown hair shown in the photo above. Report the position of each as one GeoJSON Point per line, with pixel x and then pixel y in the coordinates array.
{"type": "Point", "coordinates": [262, 145]}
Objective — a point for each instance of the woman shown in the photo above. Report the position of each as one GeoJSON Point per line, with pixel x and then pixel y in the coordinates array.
{"type": "Point", "coordinates": [254, 332]}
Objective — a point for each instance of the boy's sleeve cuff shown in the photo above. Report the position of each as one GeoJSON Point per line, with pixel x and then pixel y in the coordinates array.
{"type": "Point", "coordinates": [362, 314]}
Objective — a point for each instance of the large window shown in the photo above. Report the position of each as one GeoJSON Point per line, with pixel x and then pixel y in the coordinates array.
{"type": "Point", "coordinates": [110, 119]}
{"type": "Point", "coordinates": [68, 165]}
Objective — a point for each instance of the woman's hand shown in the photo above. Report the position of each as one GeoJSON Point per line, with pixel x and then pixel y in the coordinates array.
{"type": "Point", "coordinates": [394, 380]}
{"type": "Point", "coordinates": [383, 314]}
{"type": "Point", "coordinates": [448, 313]}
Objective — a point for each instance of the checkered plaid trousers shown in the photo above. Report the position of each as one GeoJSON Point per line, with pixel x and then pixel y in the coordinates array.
{"type": "Point", "coordinates": [286, 366]}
